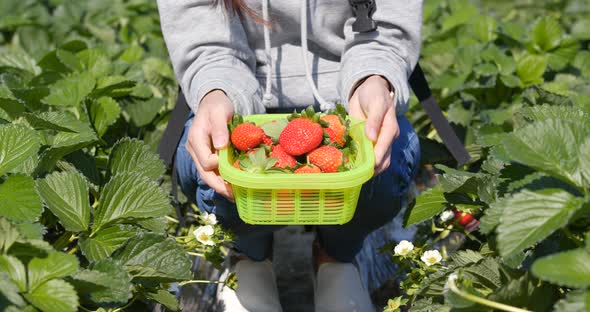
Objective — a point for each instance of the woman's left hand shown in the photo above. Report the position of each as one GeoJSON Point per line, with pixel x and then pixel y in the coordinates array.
{"type": "Point", "coordinates": [373, 100]}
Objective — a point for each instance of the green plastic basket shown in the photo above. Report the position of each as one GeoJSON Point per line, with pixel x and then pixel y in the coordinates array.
{"type": "Point", "coordinates": [299, 198]}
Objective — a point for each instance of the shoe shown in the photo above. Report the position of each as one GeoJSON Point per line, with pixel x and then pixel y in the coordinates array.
{"type": "Point", "coordinates": [257, 288]}
{"type": "Point", "coordinates": [338, 288]}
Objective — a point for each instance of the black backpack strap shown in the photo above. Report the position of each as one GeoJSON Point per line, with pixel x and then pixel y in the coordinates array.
{"type": "Point", "coordinates": [174, 129]}
{"type": "Point", "coordinates": [441, 124]}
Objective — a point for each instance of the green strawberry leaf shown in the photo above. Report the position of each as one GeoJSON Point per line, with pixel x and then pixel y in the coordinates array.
{"type": "Point", "coordinates": [19, 200]}
{"type": "Point", "coordinates": [18, 144]}
{"type": "Point", "coordinates": [570, 268]}
{"type": "Point", "coordinates": [66, 195]}
{"type": "Point", "coordinates": [274, 128]}
{"type": "Point", "coordinates": [54, 296]}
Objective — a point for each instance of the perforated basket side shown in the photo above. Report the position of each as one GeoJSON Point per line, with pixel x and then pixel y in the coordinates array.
{"type": "Point", "coordinates": [265, 206]}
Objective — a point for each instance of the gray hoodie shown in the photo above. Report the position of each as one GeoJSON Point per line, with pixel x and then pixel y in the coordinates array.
{"type": "Point", "coordinates": [211, 49]}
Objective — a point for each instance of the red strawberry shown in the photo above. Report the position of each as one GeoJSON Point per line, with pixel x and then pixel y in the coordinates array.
{"type": "Point", "coordinates": [308, 169]}
{"type": "Point", "coordinates": [301, 136]}
{"type": "Point", "coordinates": [267, 140]}
{"type": "Point", "coordinates": [336, 129]}
{"type": "Point", "coordinates": [328, 158]}
{"type": "Point", "coordinates": [283, 159]}
{"type": "Point", "coordinates": [237, 164]}
{"type": "Point", "coordinates": [246, 136]}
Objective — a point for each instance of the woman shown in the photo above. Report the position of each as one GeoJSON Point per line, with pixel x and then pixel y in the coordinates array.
{"type": "Point", "coordinates": [229, 59]}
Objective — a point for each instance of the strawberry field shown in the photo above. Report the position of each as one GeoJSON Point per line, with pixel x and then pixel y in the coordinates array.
{"type": "Point", "coordinates": [87, 222]}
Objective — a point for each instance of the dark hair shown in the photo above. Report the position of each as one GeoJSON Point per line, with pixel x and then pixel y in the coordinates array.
{"type": "Point", "coordinates": [239, 8]}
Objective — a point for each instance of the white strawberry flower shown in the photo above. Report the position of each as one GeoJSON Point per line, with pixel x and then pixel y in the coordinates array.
{"type": "Point", "coordinates": [446, 215]}
{"type": "Point", "coordinates": [403, 248]}
{"type": "Point", "coordinates": [431, 257]}
{"type": "Point", "coordinates": [204, 235]}
{"type": "Point", "coordinates": [209, 218]}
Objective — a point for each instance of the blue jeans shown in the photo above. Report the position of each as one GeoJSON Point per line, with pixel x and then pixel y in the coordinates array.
{"type": "Point", "coordinates": [379, 201]}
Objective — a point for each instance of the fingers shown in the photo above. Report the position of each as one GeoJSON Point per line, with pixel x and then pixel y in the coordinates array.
{"type": "Point", "coordinates": [216, 182]}
{"type": "Point", "coordinates": [218, 126]}
{"type": "Point", "coordinates": [389, 131]}
{"type": "Point", "coordinates": [375, 117]}
{"type": "Point", "coordinates": [199, 144]}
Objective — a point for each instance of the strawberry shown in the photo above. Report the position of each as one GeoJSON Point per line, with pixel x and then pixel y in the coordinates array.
{"type": "Point", "coordinates": [267, 140]}
{"type": "Point", "coordinates": [328, 158]}
{"type": "Point", "coordinates": [301, 136]}
{"type": "Point", "coordinates": [283, 159]}
{"type": "Point", "coordinates": [308, 169]}
{"type": "Point", "coordinates": [246, 136]}
{"type": "Point", "coordinates": [336, 129]}
{"type": "Point", "coordinates": [237, 164]}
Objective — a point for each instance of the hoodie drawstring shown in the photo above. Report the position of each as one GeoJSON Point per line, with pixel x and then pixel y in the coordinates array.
{"type": "Point", "coordinates": [268, 89]}
{"type": "Point", "coordinates": [324, 105]}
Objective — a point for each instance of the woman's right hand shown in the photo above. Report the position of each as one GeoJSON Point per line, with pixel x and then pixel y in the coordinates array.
{"type": "Point", "coordinates": [209, 133]}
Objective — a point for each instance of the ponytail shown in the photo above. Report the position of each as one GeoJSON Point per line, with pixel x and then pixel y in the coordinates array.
{"type": "Point", "coordinates": [239, 8]}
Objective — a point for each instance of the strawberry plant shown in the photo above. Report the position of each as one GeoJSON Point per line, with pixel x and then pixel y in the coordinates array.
{"type": "Point", "coordinates": [84, 208]}
{"type": "Point", "coordinates": [515, 88]}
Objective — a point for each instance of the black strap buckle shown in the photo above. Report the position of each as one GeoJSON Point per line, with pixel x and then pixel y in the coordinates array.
{"type": "Point", "coordinates": [363, 10]}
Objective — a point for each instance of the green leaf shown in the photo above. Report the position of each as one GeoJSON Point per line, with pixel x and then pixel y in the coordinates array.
{"type": "Point", "coordinates": [60, 121]}
{"type": "Point", "coordinates": [466, 257]}
{"type": "Point", "coordinates": [105, 241]}
{"type": "Point", "coordinates": [66, 195]}
{"type": "Point", "coordinates": [69, 59]}
{"type": "Point", "coordinates": [551, 146]}
{"type": "Point", "coordinates": [274, 128]}
{"type": "Point", "coordinates": [163, 297]}
{"type": "Point", "coordinates": [31, 248]}
{"type": "Point", "coordinates": [9, 235]}
{"type": "Point", "coordinates": [18, 144]}
{"type": "Point", "coordinates": [143, 112]}
{"type": "Point", "coordinates": [574, 301]}
{"type": "Point", "coordinates": [19, 200]}
{"type": "Point", "coordinates": [104, 112]}
{"type": "Point", "coordinates": [544, 112]}
{"type": "Point", "coordinates": [54, 296]}
{"type": "Point", "coordinates": [106, 283]}
{"type": "Point", "coordinates": [18, 58]}
{"type": "Point", "coordinates": [564, 54]}
{"type": "Point", "coordinates": [70, 91]}
{"type": "Point", "coordinates": [150, 256]}
{"type": "Point", "coordinates": [530, 69]}
{"type": "Point", "coordinates": [55, 265]}
{"type": "Point", "coordinates": [486, 273]}
{"type": "Point", "coordinates": [134, 156]}
{"type": "Point", "coordinates": [529, 217]}
{"type": "Point", "coordinates": [15, 269]}
{"type": "Point", "coordinates": [130, 196]}
{"type": "Point", "coordinates": [582, 63]}
{"type": "Point", "coordinates": [95, 62]}
{"type": "Point", "coordinates": [9, 290]}
{"type": "Point", "coordinates": [585, 161]}
{"type": "Point", "coordinates": [426, 305]}
{"type": "Point", "coordinates": [459, 115]}
{"type": "Point", "coordinates": [428, 204]}
{"type": "Point", "coordinates": [546, 33]}
{"type": "Point", "coordinates": [570, 268]}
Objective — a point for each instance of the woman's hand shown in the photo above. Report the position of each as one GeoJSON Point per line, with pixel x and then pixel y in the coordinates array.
{"type": "Point", "coordinates": [210, 126]}
{"type": "Point", "coordinates": [374, 101]}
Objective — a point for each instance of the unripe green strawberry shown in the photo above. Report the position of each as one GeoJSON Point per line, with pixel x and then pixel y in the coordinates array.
{"type": "Point", "coordinates": [283, 159]}
{"type": "Point", "coordinates": [328, 158]}
{"type": "Point", "coordinates": [246, 136]}
{"type": "Point", "coordinates": [301, 136]}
